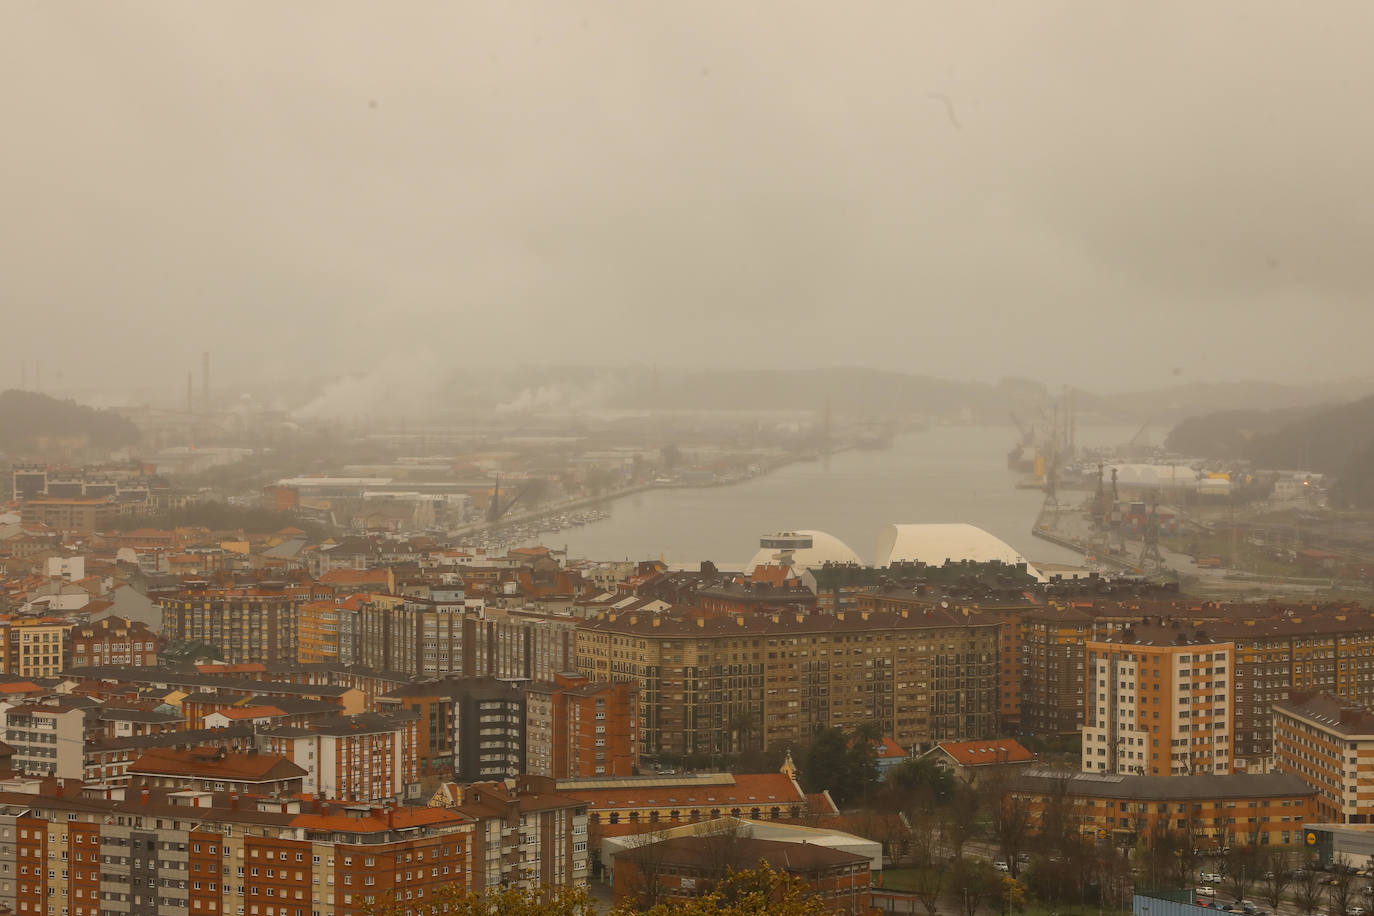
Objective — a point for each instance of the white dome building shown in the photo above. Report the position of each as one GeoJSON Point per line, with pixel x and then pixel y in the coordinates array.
{"type": "Point", "coordinates": [810, 550]}
{"type": "Point", "coordinates": [934, 544]}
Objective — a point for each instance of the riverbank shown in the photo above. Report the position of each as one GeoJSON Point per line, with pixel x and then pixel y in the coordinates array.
{"type": "Point", "coordinates": [547, 510]}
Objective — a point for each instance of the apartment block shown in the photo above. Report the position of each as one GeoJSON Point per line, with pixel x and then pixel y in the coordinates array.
{"type": "Point", "coordinates": [363, 758]}
{"type": "Point", "coordinates": [526, 835]}
{"type": "Point", "coordinates": [253, 624]}
{"type": "Point", "coordinates": [467, 728]}
{"type": "Point", "coordinates": [1328, 743]}
{"type": "Point", "coordinates": [73, 515]}
{"type": "Point", "coordinates": [35, 646]}
{"type": "Point", "coordinates": [1159, 702]}
{"type": "Point", "coordinates": [434, 639]}
{"type": "Point", "coordinates": [725, 684]}
{"type": "Point", "coordinates": [1243, 808]}
{"type": "Point", "coordinates": [47, 738]}
{"type": "Point", "coordinates": [1050, 643]}
{"type": "Point", "coordinates": [210, 854]}
{"type": "Point", "coordinates": [112, 641]}
{"type": "Point", "coordinates": [577, 727]}
{"type": "Point", "coordinates": [1300, 651]}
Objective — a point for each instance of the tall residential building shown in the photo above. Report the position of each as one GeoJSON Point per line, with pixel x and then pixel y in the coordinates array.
{"type": "Point", "coordinates": [466, 728]}
{"type": "Point", "coordinates": [434, 639]}
{"type": "Point", "coordinates": [724, 684]}
{"type": "Point", "coordinates": [1159, 702]}
{"type": "Point", "coordinates": [1330, 652]}
{"type": "Point", "coordinates": [1051, 646]}
{"type": "Point", "coordinates": [1328, 743]}
{"type": "Point", "coordinates": [48, 738]}
{"type": "Point", "coordinates": [366, 758]}
{"type": "Point", "coordinates": [257, 624]}
{"type": "Point", "coordinates": [526, 834]}
{"type": "Point", "coordinates": [35, 646]}
{"type": "Point", "coordinates": [576, 727]}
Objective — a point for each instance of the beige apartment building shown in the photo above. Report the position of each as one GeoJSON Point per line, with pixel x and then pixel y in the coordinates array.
{"type": "Point", "coordinates": [724, 684]}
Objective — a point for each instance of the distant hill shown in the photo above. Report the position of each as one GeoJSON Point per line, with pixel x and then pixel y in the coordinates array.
{"type": "Point", "coordinates": [27, 417]}
{"type": "Point", "coordinates": [1231, 433]}
{"type": "Point", "coordinates": [1336, 440]}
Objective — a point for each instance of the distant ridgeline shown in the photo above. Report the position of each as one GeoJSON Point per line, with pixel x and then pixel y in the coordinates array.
{"type": "Point", "coordinates": [1334, 440]}
{"type": "Point", "coordinates": [30, 421]}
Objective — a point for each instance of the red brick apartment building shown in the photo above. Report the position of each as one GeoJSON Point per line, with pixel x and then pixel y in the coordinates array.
{"type": "Point", "coordinates": [576, 727]}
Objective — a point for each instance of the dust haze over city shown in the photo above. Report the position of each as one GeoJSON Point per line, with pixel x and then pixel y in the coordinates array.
{"type": "Point", "coordinates": [460, 418]}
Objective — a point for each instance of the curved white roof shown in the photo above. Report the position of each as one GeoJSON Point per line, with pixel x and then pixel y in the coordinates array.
{"type": "Point", "coordinates": [934, 544]}
{"type": "Point", "coordinates": [825, 548]}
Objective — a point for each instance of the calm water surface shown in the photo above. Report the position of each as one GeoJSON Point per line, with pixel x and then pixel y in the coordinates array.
{"type": "Point", "coordinates": [946, 474]}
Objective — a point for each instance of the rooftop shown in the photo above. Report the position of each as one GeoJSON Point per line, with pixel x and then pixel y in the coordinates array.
{"type": "Point", "coordinates": [1200, 787]}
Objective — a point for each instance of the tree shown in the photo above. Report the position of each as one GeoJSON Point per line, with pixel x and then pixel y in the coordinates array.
{"type": "Point", "coordinates": [1307, 892]}
{"type": "Point", "coordinates": [1010, 896]}
{"type": "Point", "coordinates": [1277, 878]}
{"type": "Point", "coordinates": [925, 833]}
{"type": "Point", "coordinates": [920, 782]}
{"type": "Point", "coordinates": [1009, 817]}
{"type": "Point", "coordinates": [973, 883]}
{"type": "Point", "coordinates": [761, 891]}
{"type": "Point", "coordinates": [960, 820]}
{"type": "Point", "coordinates": [1342, 889]}
{"type": "Point", "coordinates": [744, 726]}
{"type": "Point", "coordinates": [929, 887]}
{"type": "Point", "coordinates": [644, 879]}
{"type": "Point", "coordinates": [1240, 868]}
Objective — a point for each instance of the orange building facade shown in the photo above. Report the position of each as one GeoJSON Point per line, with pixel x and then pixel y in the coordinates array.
{"type": "Point", "coordinates": [1159, 703]}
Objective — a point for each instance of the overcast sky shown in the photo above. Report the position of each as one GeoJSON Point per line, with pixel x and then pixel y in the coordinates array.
{"type": "Point", "coordinates": [1098, 193]}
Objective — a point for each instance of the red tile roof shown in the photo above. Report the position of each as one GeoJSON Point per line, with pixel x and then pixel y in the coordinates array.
{"type": "Point", "coordinates": [212, 763]}
{"type": "Point", "coordinates": [983, 753]}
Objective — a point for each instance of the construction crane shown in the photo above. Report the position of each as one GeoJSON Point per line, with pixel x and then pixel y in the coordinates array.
{"type": "Point", "coordinates": [496, 511]}
{"type": "Point", "coordinates": [1139, 432]}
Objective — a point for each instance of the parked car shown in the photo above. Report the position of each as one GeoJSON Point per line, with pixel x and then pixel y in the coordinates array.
{"type": "Point", "coordinates": [1354, 910]}
{"type": "Point", "coordinates": [1206, 892]}
{"type": "Point", "coordinates": [1001, 866]}
{"type": "Point", "coordinates": [1210, 877]}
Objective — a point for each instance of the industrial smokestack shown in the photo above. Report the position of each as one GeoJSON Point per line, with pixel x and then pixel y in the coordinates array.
{"type": "Point", "coordinates": [205, 381]}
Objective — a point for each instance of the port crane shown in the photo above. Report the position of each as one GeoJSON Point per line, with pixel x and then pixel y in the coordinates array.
{"type": "Point", "coordinates": [495, 510]}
